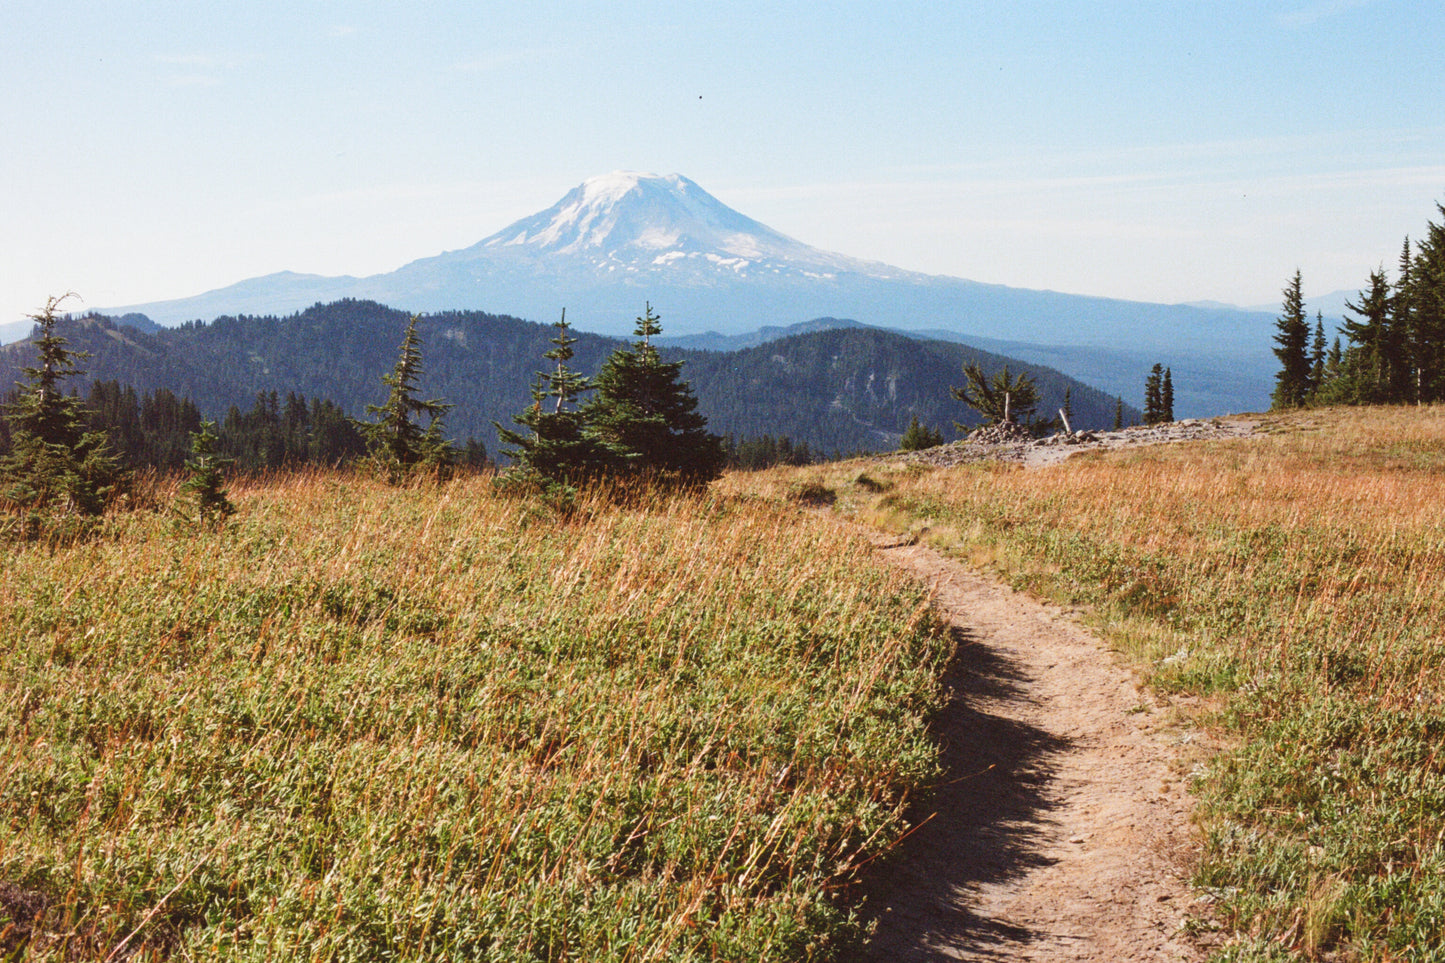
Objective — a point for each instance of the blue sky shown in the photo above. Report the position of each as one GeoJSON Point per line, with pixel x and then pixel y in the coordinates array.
{"type": "Point", "coordinates": [1154, 151]}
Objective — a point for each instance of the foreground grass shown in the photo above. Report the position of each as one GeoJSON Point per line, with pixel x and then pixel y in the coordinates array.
{"type": "Point", "coordinates": [1298, 581]}
{"type": "Point", "coordinates": [363, 723]}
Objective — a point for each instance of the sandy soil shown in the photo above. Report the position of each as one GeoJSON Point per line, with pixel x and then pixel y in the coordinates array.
{"type": "Point", "coordinates": [1061, 830]}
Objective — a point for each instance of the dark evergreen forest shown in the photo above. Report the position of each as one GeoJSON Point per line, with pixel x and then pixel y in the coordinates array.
{"type": "Point", "coordinates": [280, 388]}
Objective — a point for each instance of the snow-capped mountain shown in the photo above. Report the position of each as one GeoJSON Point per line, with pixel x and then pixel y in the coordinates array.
{"type": "Point", "coordinates": [641, 224]}
{"type": "Point", "coordinates": [625, 238]}
{"type": "Point", "coordinates": [608, 245]}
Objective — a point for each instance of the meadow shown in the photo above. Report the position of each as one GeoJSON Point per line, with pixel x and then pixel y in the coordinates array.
{"type": "Point", "coordinates": [360, 722]}
{"type": "Point", "coordinates": [1294, 583]}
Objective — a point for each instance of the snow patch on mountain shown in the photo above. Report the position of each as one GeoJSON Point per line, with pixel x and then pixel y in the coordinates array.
{"type": "Point", "coordinates": [625, 239]}
{"type": "Point", "coordinates": [650, 222]}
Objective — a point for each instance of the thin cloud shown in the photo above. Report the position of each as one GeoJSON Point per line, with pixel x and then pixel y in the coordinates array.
{"type": "Point", "coordinates": [1362, 178]}
{"type": "Point", "coordinates": [193, 80]}
{"type": "Point", "coordinates": [507, 59]}
{"type": "Point", "coordinates": [204, 61]}
{"type": "Point", "coordinates": [1319, 11]}
{"type": "Point", "coordinates": [201, 69]}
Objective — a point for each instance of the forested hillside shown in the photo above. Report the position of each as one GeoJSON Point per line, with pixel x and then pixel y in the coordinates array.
{"type": "Point", "coordinates": [856, 388]}
{"type": "Point", "coordinates": [837, 390]}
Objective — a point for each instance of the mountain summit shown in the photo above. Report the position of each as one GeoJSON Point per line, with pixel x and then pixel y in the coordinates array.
{"type": "Point", "coordinates": [624, 217]}
{"type": "Point", "coordinates": [625, 238]}
{"type": "Point", "coordinates": [646, 227]}
{"type": "Point", "coordinates": [612, 242]}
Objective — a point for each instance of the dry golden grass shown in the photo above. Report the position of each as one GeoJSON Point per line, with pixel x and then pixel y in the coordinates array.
{"type": "Point", "coordinates": [1297, 579]}
{"type": "Point", "coordinates": [367, 723]}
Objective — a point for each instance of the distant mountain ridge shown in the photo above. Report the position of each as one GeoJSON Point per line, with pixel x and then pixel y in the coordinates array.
{"type": "Point", "coordinates": [626, 238]}
{"type": "Point", "coordinates": [713, 341]}
{"type": "Point", "coordinates": [1198, 385]}
{"type": "Point", "coordinates": [839, 389]}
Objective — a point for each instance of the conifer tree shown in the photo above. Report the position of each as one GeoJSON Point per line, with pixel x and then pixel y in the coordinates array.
{"type": "Point", "coordinates": [1166, 397]}
{"type": "Point", "coordinates": [1404, 386]}
{"type": "Point", "coordinates": [1154, 395]}
{"type": "Point", "coordinates": [396, 440]}
{"type": "Point", "coordinates": [1000, 399]}
{"type": "Point", "coordinates": [1367, 364]}
{"type": "Point", "coordinates": [559, 447]}
{"type": "Point", "coordinates": [642, 408]}
{"type": "Point", "coordinates": [56, 461]}
{"type": "Point", "coordinates": [919, 436]}
{"type": "Point", "coordinates": [1317, 356]}
{"type": "Point", "coordinates": [1119, 413]}
{"type": "Point", "coordinates": [207, 482]}
{"type": "Point", "coordinates": [1292, 334]}
{"type": "Point", "coordinates": [1427, 302]}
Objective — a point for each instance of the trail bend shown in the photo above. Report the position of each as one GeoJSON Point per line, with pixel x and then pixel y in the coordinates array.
{"type": "Point", "coordinates": [1062, 828]}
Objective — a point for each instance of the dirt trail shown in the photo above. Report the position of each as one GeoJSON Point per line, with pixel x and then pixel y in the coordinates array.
{"type": "Point", "coordinates": [1062, 829]}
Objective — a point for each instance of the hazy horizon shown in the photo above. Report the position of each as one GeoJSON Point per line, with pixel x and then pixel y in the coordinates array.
{"type": "Point", "coordinates": [1171, 153]}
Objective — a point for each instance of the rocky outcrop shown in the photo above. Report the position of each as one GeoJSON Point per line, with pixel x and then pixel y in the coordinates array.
{"type": "Point", "coordinates": [1012, 443]}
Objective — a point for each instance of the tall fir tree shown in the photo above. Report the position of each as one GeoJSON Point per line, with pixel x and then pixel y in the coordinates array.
{"type": "Point", "coordinates": [1367, 363]}
{"type": "Point", "coordinates": [396, 440]}
{"type": "Point", "coordinates": [1166, 397]}
{"type": "Point", "coordinates": [1292, 333]}
{"type": "Point", "coordinates": [642, 407]}
{"type": "Point", "coordinates": [1400, 332]}
{"type": "Point", "coordinates": [56, 461]}
{"type": "Point", "coordinates": [559, 447]}
{"type": "Point", "coordinates": [1154, 395]}
{"type": "Point", "coordinates": [1427, 301]}
{"type": "Point", "coordinates": [1119, 413]}
{"type": "Point", "coordinates": [1317, 356]}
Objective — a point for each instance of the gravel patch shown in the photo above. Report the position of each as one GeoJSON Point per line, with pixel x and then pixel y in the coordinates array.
{"type": "Point", "coordinates": [1010, 443]}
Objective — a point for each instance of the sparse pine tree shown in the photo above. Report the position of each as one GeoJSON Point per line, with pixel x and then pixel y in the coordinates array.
{"type": "Point", "coordinates": [56, 463]}
{"type": "Point", "coordinates": [1119, 413]}
{"type": "Point", "coordinates": [1002, 398]}
{"type": "Point", "coordinates": [1292, 333]}
{"type": "Point", "coordinates": [642, 407]}
{"type": "Point", "coordinates": [1166, 397]}
{"type": "Point", "coordinates": [207, 482]}
{"type": "Point", "coordinates": [398, 443]}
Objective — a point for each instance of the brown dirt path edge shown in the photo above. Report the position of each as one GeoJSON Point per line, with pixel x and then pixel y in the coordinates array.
{"type": "Point", "coordinates": [1061, 829]}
